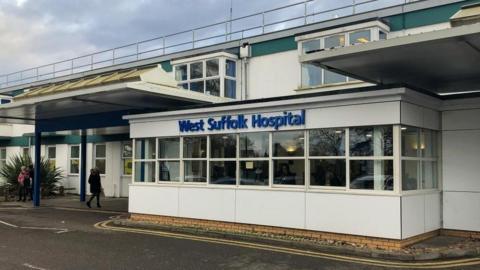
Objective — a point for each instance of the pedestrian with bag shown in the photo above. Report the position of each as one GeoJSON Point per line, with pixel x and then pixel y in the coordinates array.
{"type": "Point", "coordinates": [95, 186]}
{"type": "Point", "coordinates": [23, 180]}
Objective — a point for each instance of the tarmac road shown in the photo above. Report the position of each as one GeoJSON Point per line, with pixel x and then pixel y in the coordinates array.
{"type": "Point", "coordinates": [49, 238]}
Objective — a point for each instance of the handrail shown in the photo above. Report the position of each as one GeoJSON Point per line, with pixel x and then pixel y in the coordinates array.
{"type": "Point", "coordinates": [112, 56]}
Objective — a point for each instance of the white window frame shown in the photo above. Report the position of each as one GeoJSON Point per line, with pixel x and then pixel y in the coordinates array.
{"type": "Point", "coordinates": [48, 154]}
{"type": "Point", "coordinates": [70, 158]}
{"type": "Point", "coordinates": [95, 158]}
{"type": "Point", "coordinates": [124, 158]}
{"type": "Point", "coordinates": [3, 160]}
{"type": "Point", "coordinates": [150, 160]}
{"type": "Point", "coordinates": [157, 162]}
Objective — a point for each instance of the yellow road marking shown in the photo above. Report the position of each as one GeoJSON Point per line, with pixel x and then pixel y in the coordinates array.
{"type": "Point", "coordinates": [406, 265]}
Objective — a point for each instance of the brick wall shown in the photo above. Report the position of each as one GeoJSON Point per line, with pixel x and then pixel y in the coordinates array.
{"type": "Point", "coordinates": [241, 228]}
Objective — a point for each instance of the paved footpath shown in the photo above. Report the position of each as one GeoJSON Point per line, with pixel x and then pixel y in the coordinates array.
{"type": "Point", "coordinates": [53, 238]}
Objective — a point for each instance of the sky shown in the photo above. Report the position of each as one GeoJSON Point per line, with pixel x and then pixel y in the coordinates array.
{"type": "Point", "coordinates": [40, 32]}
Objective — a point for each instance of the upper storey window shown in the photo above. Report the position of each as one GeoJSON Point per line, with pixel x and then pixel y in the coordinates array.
{"type": "Point", "coordinates": [313, 75]}
{"type": "Point", "coordinates": [214, 75]}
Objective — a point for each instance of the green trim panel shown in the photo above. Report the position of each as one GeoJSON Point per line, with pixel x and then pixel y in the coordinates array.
{"type": "Point", "coordinates": [166, 65]}
{"type": "Point", "coordinates": [425, 17]}
{"type": "Point", "coordinates": [274, 46]}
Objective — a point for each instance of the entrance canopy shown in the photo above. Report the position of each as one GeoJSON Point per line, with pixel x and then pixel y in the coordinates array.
{"type": "Point", "coordinates": [443, 61]}
{"type": "Point", "coordinates": [122, 92]}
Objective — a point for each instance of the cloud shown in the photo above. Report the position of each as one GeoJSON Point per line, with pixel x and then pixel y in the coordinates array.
{"type": "Point", "coordinates": [39, 32]}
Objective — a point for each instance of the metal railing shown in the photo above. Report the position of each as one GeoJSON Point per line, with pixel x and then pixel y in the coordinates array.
{"type": "Point", "coordinates": [281, 18]}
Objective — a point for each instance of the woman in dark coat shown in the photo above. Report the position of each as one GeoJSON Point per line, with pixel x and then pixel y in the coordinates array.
{"type": "Point", "coordinates": [95, 186]}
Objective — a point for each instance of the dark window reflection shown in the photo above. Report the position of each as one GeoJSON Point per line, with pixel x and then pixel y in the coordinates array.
{"type": "Point", "coordinates": [327, 172]}
{"type": "Point", "coordinates": [254, 144]}
{"type": "Point", "coordinates": [289, 172]}
{"type": "Point", "coordinates": [223, 172]}
{"type": "Point", "coordinates": [371, 174]}
{"type": "Point", "coordinates": [254, 173]}
{"type": "Point", "coordinates": [223, 146]}
{"type": "Point", "coordinates": [288, 143]}
{"type": "Point", "coordinates": [371, 141]}
{"type": "Point", "coordinates": [194, 147]}
{"type": "Point", "coordinates": [327, 142]}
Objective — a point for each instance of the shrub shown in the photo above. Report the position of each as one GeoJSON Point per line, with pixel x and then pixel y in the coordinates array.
{"type": "Point", "coordinates": [49, 176]}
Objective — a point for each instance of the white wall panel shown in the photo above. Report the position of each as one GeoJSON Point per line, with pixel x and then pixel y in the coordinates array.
{"type": "Point", "coordinates": [377, 216]}
{"type": "Point", "coordinates": [461, 160]}
{"type": "Point", "coordinates": [461, 119]}
{"type": "Point", "coordinates": [413, 215]}
{"type": "Point", "coordinates": [153, 200]}
{"type": "Point", "coordinates": [273, 75]}
{"type": "Point", "coordinates": [274, 208]}
{"type": "Point", "coordinates": [419, 116]}
{"type": "Point", "coordinates": [207, 203]}
{"type": "Point", "coordinates": [461, 210]}
{"type": "Point", "coordinates": [433, 211]}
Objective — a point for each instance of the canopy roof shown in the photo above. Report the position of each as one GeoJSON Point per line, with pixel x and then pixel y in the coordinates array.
{"type": "Point", "coordinates": [147, 89]}
{"type": "Point", "coordinates": [442, 61]}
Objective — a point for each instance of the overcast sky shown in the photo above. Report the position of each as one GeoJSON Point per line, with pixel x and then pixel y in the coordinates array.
{"type": "Point", "coordinates": [37, 32]}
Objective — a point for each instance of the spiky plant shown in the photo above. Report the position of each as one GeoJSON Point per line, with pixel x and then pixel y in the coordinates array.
{"type": "Point", "coordinates": [49, 175]}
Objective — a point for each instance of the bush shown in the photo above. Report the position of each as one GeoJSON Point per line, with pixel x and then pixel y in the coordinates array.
{"type": "Point", "coordinates": [49, 176]}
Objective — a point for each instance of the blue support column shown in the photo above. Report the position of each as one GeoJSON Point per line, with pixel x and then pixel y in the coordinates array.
{"type": "Point", "coordinates": [83, 165]}
{"type": "Point", "coordinates": [37, 179]}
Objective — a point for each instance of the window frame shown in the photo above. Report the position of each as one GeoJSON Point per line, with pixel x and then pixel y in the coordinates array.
{"type": "Point", "coordinates": [3, 160]}
{"type": "Point", "coordinates": [95, 158]}
{"type": "Point", "coordinates": [70, 158]}
{"type": "Point", "coordinates": [51, 160]}
{"type": "Point", "coordinates": [124, 158]}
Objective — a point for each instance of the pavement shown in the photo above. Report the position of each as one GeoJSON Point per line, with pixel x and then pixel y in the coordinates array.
{"type": "Point", "coordinates": [60, 235]}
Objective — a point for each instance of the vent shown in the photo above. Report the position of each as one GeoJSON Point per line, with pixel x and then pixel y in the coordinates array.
{"type": "Point", "coordinates": [468, 14]}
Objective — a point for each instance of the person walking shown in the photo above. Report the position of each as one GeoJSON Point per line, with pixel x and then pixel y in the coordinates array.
{"type": "Point", "coordinates": [95, 186]}
{"type": "Point", "coordinates": [29, 188]}
{"type": "Point", "coordinates": [23, 180]}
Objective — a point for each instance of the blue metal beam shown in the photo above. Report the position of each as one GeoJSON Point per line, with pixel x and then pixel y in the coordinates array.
{"type": "Point", "coordinates": [83, 165]}
{"type": "Point", "coordinates": [37, 171]}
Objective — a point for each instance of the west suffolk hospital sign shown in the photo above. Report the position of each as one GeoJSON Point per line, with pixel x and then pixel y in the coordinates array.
{"type": "Point", "coordinates": [242, 121]}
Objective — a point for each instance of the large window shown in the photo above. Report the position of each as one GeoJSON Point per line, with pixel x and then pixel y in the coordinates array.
{"type": "Point", "coordinates": [195, 159]}
{"type": "Point", "coordinates": [169, 159]}
{"type": "Point", "coordinates": [215, 76]}
{"type": "Point", "coordinates": [127, 158]}
{"type": "Point", "coordinates": [223, 154]}
{"type": "Point", "coordinates": [144, 165]}
{"type": "Point", "coordinates": [371, 158]}
{"type": "Point", "coordinates": [288, 157]}
{"type": "Point", "coordinates": [3, 157]}
{"type": "Point", "coordinates": [327, 157]}
{"type": "Point", "coordinates": [419, 158]}
{"type": "Point", "coordinates": [51, 156]}
{"type": "Point", "coordinates": [100, 157]}
{"type": "Point", "coordinates": [74, 159]}
{"type": "Point", "coordinates": [254, 158]}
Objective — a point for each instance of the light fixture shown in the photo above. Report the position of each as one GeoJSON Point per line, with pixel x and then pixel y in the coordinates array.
{"type": "Point", "coordinates": [338, 131]}
{"type": "Point", "coordinates": [404, 128]}
{"type": "Point", "coordinates": [291, 148]}
{"type": "Point", "coordinates": [368, 135]}
{"type": "Point", "coordinates": [362, 40]}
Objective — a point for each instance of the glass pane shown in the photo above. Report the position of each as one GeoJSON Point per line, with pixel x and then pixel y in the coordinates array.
{"type": "Point", "coordinates": [371, 141]}
{"type": "Point", "coordinates": [429, 171]}
{"type": "Point", "coordinates": [231, 68]}
{"type": "Point", "coordinates": [52, 152]}
{"type": "Point", "coordinates": [169, 148]}
{"type": "Point", "coordinates": [181, 73]}
{"type": "Point", "coordinates": [194, 147]}
{"type": "Point", "coordinates": [382, 35]}
{"type": "Point", "coordinates": [332, 77]}
{"type": "Point", "coordinates": [223, 172]}
{"type": "Point", "coordinates": [74, 151]}
{"type": "Point", "coordinates": [25, 151]}
{"type": "Point", "coordinates": [311, 75]}
{"type": "Point", "coordinates": [196, 70]}
{"type": "Point", "coordinates": [195, 171]}
{"type": "Point", "coordinates": [52, 163]}
{"type": "Point", "coordinates": [3, 153]}
{"type": "Point", "coordinates": [213, 87]}
{"type": "Point", "coordinates": [197, 86]}
{"type": "Point", "coordinates": [359, 37]}
{"type": "Point", "coordinates": [254, 173]}
{"type": "Point", "coordinates": [288, 144]}
{"type": "Point", "coordinates": [334, 41]}
{"type": "Point", "coordinates": [127, 150]}
{"type": "Point", "coordinates": [371, 174]}
{"type": "Point", "coordinates": [145, 171]}
{"type": "Point", "coordinates": [428, 143]}
{"type": "Point", "coordinates": [289, 172]}
{"type": "Point", "coordinates": [74, 166]}
{"type": "Point", "coordinates": [410, 174]}
{"type": "Point", "coordinates": [311, 46]}
{"type": "Point", "coordinates": [254, 144]}
{"type": "Point", "coordinates": [327, 142]}
{"type": "Point", "coordinates": [223, 146]}
{"type": "Point", "coordinates": [145, 148]}
{"type": "Point", "coordinates": [410, 141]}
{"type": "Point", "coordinates": [169, 171]}
{"type": "Point", "coordinates": [328, 172]}
{"type": "Point", "coordinates": [100, 151]}
{"type": "Point", "coordinates": [2, 163]}
{"type": "Point", "coordinates": [127, 167]}
{"type": "Point", "coordinates": [230, 88]}
{"type": "Point", "coordinates": [183, 85]}
{"type": "Point", "coordinates": [212, 67]}
{"type": "Point", "coordinates": [100, 165]}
